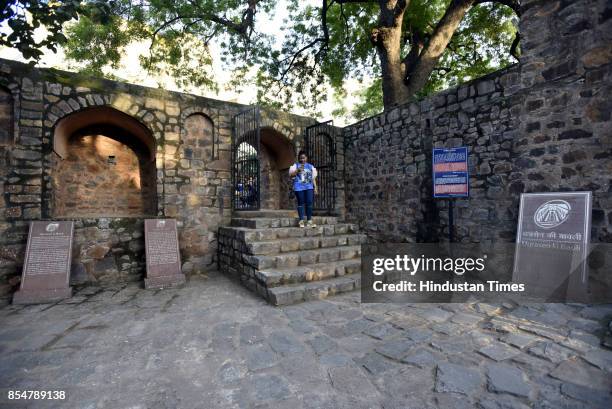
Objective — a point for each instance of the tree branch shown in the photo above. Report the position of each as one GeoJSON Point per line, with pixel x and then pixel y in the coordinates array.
{"type": "Point", "coordinates": [418, 74]}
{"type": "Point", "coordinates": [514, 46]}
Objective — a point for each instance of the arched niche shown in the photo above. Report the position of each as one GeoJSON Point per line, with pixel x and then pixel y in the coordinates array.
{"type": "Point", "coordinates": [106, 166]}
{"type": "Point", "coordinates": [199, 135]}
{"type": "Point", "coordinates": [100, 116]}
{"type": "Point", "coordinates": [278, 154]}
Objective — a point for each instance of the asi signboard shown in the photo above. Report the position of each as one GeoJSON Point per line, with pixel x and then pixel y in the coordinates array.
{"type": "Point", "coordinates": [450, 172]}
{"type": "Point", "coordinates": [552, 244]}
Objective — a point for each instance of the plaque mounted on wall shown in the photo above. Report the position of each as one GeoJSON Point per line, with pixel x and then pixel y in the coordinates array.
{"type": "Point", "coordinates": [552, 245]}
{"type": "Point", "coordinates": [162, 253]}
{"type": "Point", "coordinates": [46, 269]}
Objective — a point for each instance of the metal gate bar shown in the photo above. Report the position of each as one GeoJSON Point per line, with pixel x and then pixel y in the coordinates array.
{"type": "Point", "coordinates": [245, 160]}
{"type": "Point", "coordinates": [321, 150]}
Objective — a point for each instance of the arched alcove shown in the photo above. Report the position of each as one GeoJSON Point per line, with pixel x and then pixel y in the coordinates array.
{"type": "Point", "coordinates": [199, 134]}
{"type": "Point", "coordinates": [106, 166]}
{"type": "Point", "coordinates": [278, 154]}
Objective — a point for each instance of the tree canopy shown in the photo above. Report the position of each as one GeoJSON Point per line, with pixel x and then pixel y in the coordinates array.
{"type": "Point", "coordinates": [400, 49]}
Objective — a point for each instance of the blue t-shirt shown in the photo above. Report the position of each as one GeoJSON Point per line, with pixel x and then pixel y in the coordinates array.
{"type": "Point", "coordinates": [304, 180]}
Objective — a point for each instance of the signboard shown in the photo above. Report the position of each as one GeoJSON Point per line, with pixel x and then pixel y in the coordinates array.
{"type": "Point", "coordinates": [162, 253]}
{"type": "Point", "coordinates": [552, 245]}
{"type": "Point", "coordinates": [46, 269]}
{"type": "Point", "coordinates": [450, 172]}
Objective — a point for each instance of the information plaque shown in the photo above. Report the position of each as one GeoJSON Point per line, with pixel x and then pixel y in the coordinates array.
{"type": "Point", "coordinates": [46, 269]}
{"type": "Point", "coordinates": [162, 253]}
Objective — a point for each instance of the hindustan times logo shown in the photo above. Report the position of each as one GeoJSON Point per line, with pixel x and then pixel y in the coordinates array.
{"type": "Point", "coordinates": [412, 265]}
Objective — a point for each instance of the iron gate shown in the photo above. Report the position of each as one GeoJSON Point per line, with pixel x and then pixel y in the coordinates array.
{"type": "Point", "coordinates": [320, 146]}
{"type": "Point", "coordinates": [245, 160]}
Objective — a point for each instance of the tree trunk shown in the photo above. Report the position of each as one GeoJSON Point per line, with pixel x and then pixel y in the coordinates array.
{"type": "Point", "coordinates": [403, 78]}
{"type": "Point", "coordinates": [387, 40]}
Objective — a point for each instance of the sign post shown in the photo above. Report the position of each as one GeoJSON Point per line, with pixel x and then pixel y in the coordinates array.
{"type": "Point", "coordinates": [450, 178]}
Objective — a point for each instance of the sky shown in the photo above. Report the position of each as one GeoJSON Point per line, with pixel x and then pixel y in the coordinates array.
{"type": "Point", "coordinates": [131, 72]}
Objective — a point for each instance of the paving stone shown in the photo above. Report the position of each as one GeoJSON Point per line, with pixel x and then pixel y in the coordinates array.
{"type": "Point", "coordinates": [593, 397]}
{"type": "Point", "coordinates": [395, 349]}
{"type": "Point", "coordinates": [521, 340]}
{"type": "Point", "coordinates": [260, 357]}
{"type": "Point", "coordinates": [251, 334]}
{"type": "Point", "coordinates": [502, 402]}
{"type": "Point", "coordinates": [448, 328]}
{"type": "Point", "coordinates": [584, 337]}
{"type": "Point", "coordinates": [357, 326]}
{"type": "Point", "coordinates": [556, 334]}
{"type": "Point", "coordinates": [231, 372]}
{"type": "Point", "coordinates": [600, 358]}
{"type": "Point", "coordinates": [581, 373]}
{"type": "Point", "coordinates": [551, 352]}
{"type": "Point", "coordinates": [457, 378]}
{"type": "Point", "coordinates": [335, 359]}
{"type": "Point", "coordinates": [435, 314]}
{"type": "Point", "coordinates": [374, 363]}
{"type": "Point", "coordinates": [322, 344]}
{"type": "Point", "coordinates": [501, 324]}
{"type": "Point", "coordinates": [302, 326]}
{"type": "Point", "coordinates": [351, 381]}
{"type": "Point", "coordinates": [503, 378]}
{"type": "Point", "coordinates": [498, 351]}
{"type": "Point", "coordinates": [488, 309]}
{"type": "Point", "coordinates": [270, 387]}
{"type": "Point", "coordinates": [466, 319]}
{"type": "Point", "coordinates": [585, 325]}
{"type": "Point", "coordinates": [418, 334]}
{"type": "Point", "coordinates": [285, 343]}
{"type": "Point", "coordinates": [451, 400]}
{"type": "Point", "coordinates": [551, 318]}
{"type": "Point", "coordinates": [452, 346]}
{"type": "Point", "coordinates": [421, 358]}
{"type": "Point", "coordinates": [382, 331]}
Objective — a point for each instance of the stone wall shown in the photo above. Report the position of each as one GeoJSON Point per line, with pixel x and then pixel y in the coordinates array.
{"type": "Point", "coordinates": [191, 143]}
{"type": "Point", "coordinates": [541, 125]}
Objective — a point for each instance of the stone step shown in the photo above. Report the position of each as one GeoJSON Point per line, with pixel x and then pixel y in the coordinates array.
{"type": "Point", "coordinates": [264, 213]}
{"type": "Point", "coordinates": [316, 290]}
{"type": "Point", "coordinates": [263, 222]}
{"type": "Point", "coordinates": [274, 247]}
{"type": "Point", "coordinates": [304, 257]}
{"type": "Point", "coordinates": [269, 233]}
{"type": "Point", "coordinates": [276, 277]}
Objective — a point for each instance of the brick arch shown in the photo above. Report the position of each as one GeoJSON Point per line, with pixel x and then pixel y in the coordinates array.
{"type": "Point", "coordinates": [102, 115]}
{"type": "Point", "coordinates": [56, 111]}
{"type": "Point", "coordinates": [286, 129]}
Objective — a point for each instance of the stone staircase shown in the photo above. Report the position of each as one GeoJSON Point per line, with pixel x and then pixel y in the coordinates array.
{"type": "Point", "coordinates": [287, 264]}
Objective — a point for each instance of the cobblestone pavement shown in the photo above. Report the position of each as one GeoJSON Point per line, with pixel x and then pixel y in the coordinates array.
{"type": "Point", "coordinates": [212, 344]}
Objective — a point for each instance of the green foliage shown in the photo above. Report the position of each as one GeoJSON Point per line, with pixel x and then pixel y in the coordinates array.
{"type": "Point", "coordinates": [303, 67]}
{"type": "Point", "coordinates": [20, 20]}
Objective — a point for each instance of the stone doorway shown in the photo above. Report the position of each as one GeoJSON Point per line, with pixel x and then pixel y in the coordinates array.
{"type": "Point", "coordinates": [277, 155]}
{"type": "Point", "coordinates": [105, 166]}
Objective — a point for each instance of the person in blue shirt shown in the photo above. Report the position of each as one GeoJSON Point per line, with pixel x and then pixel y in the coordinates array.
{"type": "Point", "coordinates": [305, 187]}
